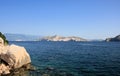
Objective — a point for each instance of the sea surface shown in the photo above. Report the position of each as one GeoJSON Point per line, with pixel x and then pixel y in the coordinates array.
{"type": "Point", "coordinates": [73, 58]}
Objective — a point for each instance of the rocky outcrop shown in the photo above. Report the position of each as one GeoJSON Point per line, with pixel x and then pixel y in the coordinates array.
{"type": "Point", "coordinates": [16, 56]}
{"type": "Point", "coordinates": [60, 38]}
{"type": "Point", "coordinates": [12, 57]}
{"type": "Point", "coordinates": [115, 39]}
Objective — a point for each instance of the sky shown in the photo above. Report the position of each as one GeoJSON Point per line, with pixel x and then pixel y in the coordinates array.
{"type": "Point", "coordinates": [90, 19]}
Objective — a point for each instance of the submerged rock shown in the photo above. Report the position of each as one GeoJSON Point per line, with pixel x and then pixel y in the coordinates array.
{"type": "Point", "coordinates": [50, 68]}
{"type": "Point", "coordinates": [13, 57]}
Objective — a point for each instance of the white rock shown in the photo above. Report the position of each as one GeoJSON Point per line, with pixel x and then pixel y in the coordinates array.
{"type": "Point", "coordinates": [19, 56]}
{"type": "Point", "coordinates": [4, 69]}
{"type": "Point", "coordinates": [13, 56]}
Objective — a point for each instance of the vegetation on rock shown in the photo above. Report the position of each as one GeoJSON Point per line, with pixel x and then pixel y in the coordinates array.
{"type": "Point", "coordinates": [4, 38]}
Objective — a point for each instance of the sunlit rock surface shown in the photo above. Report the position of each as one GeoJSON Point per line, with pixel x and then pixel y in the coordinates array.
{"type": "Point", "coordinates": [12, 57]}
{"type": "Point", "coordinates": [60, 38]}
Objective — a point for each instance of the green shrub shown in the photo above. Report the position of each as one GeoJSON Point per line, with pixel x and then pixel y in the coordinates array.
{"type": "Point", "coordinates": [4, 39]}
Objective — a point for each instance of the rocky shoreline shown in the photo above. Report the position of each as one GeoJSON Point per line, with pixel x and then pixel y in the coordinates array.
{"type": "Point", "coordinates": [13, 58]}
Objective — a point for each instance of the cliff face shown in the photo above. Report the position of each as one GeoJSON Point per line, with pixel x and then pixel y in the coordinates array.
{"type": "Point", "coordinates": [116, 39]}
{"type": "Point", "coordinates": [60, 38]}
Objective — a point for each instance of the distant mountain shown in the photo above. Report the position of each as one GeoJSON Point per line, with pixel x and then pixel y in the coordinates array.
{"type": "Point", "coordinates": [61, 38]}
{"type": "Point", "coordinates": [117, 39]}
{"type": "Point", "coordinates": [20, 37]}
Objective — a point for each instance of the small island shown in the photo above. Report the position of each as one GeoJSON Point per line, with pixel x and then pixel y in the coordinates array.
{"type": "Point", "coordinates": [115, 39]}
{"type": "Point", "coordinates": [61, 38]}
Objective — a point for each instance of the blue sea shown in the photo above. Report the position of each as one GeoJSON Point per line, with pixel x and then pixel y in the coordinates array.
{"type": "Point", "coordinates": [73, 58]}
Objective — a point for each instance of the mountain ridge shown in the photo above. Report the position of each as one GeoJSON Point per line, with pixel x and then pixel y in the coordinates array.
{"type": "Point", "coordinates": [21, 37]}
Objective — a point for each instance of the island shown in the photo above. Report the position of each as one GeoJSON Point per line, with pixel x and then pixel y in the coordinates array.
{"type": "Point", "coordinates": [12, 57]}
{"type": "Point", "coordinates": [115, 39]}
{"type": "Point", "coordinates": [61, 38]}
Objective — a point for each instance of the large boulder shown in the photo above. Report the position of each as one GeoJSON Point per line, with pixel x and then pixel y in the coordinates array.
{"type": "Point", "coordinates": [16, 56]}
{"type": "Point", "coordinates": [12, 56]}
